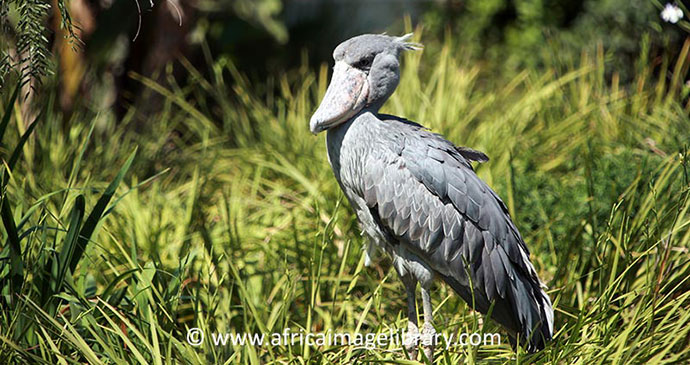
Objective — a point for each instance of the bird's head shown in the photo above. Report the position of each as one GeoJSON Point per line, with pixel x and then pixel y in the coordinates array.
{"type": "Point", "coordinates": [366, 73]}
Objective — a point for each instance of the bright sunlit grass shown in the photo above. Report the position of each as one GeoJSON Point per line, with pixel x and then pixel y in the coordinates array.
{"type": "Point", "coordinates": [229, 218]}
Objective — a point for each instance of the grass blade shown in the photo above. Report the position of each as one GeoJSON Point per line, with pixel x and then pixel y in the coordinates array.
{"type": "Point", "coordinates": [97, 212]}
{"type": "Point", "coordinates": [16, 263]}
{"type": "Point", "coordinates": [8, 112]}
{"type": "Point", "coordinates": [57, 269]}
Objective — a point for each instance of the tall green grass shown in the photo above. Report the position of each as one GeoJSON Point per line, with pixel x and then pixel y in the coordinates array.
{"type": "Point", "coordinates": [229, 219]}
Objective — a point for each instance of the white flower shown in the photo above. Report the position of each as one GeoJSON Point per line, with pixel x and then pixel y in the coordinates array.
{"type": "Point", "coordinates": [671, 13]}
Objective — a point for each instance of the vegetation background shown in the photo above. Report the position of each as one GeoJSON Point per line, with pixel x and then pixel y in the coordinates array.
{"type": "Point", "coordinates": [158, 175]}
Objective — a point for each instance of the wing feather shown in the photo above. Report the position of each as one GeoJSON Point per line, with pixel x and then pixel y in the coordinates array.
{"type": "Point", "coordinates": [428, 197]}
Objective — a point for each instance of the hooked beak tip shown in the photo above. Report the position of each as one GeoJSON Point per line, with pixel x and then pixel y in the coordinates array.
{"type": "Point", "coordinates": [314, 126]}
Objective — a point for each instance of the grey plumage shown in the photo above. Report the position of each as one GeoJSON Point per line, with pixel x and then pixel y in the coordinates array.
{"type": "Point", "coordinates": [417, 197]}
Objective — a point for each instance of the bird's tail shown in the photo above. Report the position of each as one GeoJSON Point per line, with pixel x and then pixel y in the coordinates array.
{"type": "Point", "coordinates": [533, 311]}
{"type": "Point", "coordinates": [525, 312]}
{"type": "Point", "coordinates": [542, 329]}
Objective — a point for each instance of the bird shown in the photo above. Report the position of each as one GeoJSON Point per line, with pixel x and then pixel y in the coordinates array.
{"type": "Point", "coordinates": [418, 199]}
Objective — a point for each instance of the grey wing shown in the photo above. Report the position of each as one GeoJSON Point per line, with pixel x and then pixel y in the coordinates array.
{"type": "Point", "coordinates": [427, 197]}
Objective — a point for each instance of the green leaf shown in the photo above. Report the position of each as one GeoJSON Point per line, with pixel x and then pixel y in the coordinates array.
{"type": "Point", "coordinates": [17, 152]}
{"type": "Point", "coordinates": [108, 291]}
{"type": "Point", "coordinates": [18, 149]}
{"type": "Point", "coordinates": [8, 112]}
{"type": "Point", "coordinates": [58, 267]}
{"type": "Point", "coordinates": [16, 263]}
{"type": "Point", "coordinates": [69, 246]}
{"type": "Point", "coordinates": [97, 212]}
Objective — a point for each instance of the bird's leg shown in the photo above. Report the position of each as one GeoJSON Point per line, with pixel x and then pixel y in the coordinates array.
{"type": "Point", "coordinates": [428, 330]}
{"type": "Point", "coordinates": [410, 340]}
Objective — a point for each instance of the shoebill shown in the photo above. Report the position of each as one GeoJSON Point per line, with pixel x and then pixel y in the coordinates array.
{"type": "Point", "coordinates": [418, 199]}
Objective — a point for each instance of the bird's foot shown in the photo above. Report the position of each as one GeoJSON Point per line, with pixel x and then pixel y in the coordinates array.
{"type": "Point", "coordinates": [428, 340]}
{"type": "Point", "coordinates": [411, 340]}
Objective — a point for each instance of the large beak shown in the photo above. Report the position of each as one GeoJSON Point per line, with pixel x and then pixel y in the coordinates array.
{"type": "Point", "coordinates": [345, 97]}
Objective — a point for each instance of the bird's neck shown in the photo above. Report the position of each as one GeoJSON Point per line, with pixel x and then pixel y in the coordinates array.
{"type": "Point", "coordinates": [373, 108]}
{"type": "Point", "coordinates": [342, 136]}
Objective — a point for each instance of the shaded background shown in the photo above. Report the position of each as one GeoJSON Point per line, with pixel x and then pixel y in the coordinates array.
{"type": "Point", "coordinates": [265, 38]}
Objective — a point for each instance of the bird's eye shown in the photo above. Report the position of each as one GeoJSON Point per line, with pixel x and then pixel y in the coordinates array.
{"type": "Point", "coordinates": [364, 63]}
